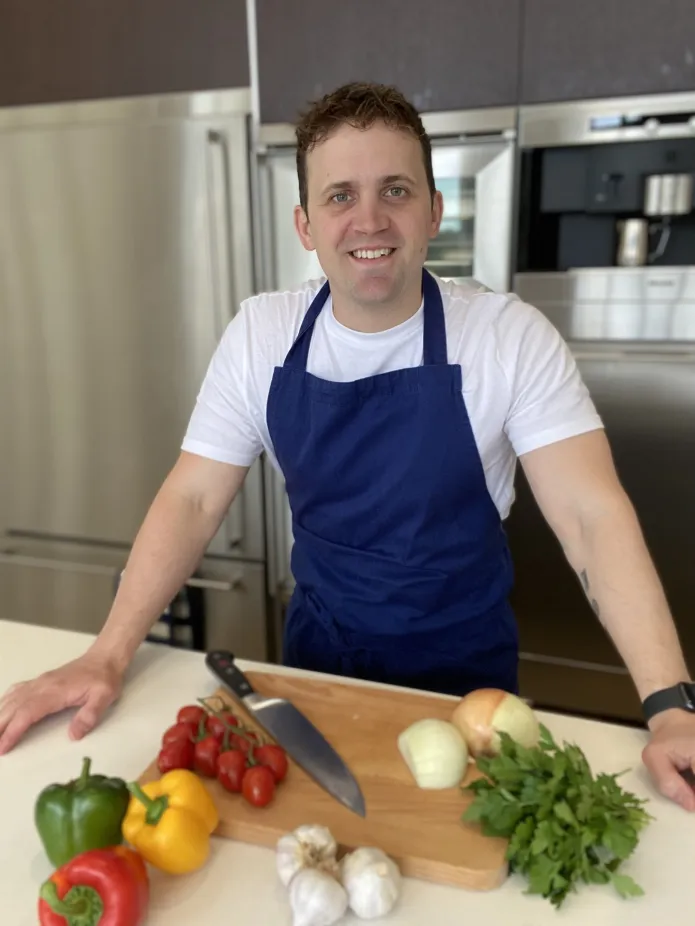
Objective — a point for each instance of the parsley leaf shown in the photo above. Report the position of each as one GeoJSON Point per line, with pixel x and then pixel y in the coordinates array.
{"type": "Point", "coordinates": [565, 825]}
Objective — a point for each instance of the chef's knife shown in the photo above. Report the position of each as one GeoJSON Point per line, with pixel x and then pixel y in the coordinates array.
{"type": "Point", "coordinates": [293, 731]}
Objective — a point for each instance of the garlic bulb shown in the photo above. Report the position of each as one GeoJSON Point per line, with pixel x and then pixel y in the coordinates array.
{"type": "Point", "coordinates": [317, 898]}
{"type": "Point", "coordinates": [308, 846]}
{"type": "Point", "coordinates": [372, 881]}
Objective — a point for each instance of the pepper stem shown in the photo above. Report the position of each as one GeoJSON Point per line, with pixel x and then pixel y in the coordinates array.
{"type": "Point", "coordinates": [154, 807]}
{"type": "Point", "coordinates": [84, 774]}
{"type": "Point", "coordinates": [81, 904]}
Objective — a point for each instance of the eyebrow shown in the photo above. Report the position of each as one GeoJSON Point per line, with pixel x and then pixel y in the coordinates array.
{"type": "Point", "coordinates": [384, 181]}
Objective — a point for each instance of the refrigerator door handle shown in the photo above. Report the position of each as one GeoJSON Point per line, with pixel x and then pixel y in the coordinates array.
{"type": "Point", "coordinates": [226, 296]}
{"type": "Point", "coordinates": [59, 565]}
{"type": "Point", "coordinates": [221, 199]}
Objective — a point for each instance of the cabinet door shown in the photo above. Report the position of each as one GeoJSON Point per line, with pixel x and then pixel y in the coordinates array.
{"type": "Point", "coordinates": [443, 55]}
{"type": "Point", "coordinates": [606, 48]}
{"type": "Point", "coordinates": [53, 52]}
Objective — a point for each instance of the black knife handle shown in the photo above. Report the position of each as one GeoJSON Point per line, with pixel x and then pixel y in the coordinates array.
{"type": "Point", "coordinates": [221, 664]}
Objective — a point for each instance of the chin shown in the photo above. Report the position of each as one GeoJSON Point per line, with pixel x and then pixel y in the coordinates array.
{"type": "Point", "coordinates": [377, 290]}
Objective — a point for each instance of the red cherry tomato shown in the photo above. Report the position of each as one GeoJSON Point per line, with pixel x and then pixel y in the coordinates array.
{"type": "Point", "coordinates": [191, 713]}
{"type": "Point", "coordinates": [242, 742]}
{"type": "Point", "coordinates": [258, 786]}
{"type": "Point", "coordinates": [231, 767]}
{"type": "Point", "coordinates": [179, 731]}
{"type": "Point", "coordinates": [273, 757]}
{"type": "Point", "coordinates": [205, 756]}
{"type": "Point", "coordinates": [216, 725]}
{"type": "Point", "coordinates": [176, 754]}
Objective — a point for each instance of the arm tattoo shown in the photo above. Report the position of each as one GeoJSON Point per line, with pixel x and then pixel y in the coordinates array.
{"type": "Point", "coordinates": [585, 582]}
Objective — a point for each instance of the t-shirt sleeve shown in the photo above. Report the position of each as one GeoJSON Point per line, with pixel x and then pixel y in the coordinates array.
{"type": "Point", "coordinates": [549, 399]}
{"type": "Point", "coordinates": [222, 426]}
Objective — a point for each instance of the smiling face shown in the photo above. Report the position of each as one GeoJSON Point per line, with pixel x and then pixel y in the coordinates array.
{"type": "Point", "coordinates": [370, 216]}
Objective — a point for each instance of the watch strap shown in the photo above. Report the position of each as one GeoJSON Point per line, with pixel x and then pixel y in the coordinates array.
{"type": "Point", "coordinates": [680, 696]}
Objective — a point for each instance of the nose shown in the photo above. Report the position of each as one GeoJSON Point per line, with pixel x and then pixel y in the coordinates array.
{"type": "Point", "coordinates": [370, 216]}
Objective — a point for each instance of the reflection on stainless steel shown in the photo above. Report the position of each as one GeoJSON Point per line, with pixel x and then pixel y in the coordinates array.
{"type": "Point", "coordinates": [633, 336]}
{"type": "Point", "coordinates": [125, 248]}
{"type": "Point", "coordinates": [476, 182]}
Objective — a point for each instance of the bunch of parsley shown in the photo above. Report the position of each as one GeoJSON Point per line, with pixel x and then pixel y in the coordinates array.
{"type": "Point", "coordinates": [563, 824]}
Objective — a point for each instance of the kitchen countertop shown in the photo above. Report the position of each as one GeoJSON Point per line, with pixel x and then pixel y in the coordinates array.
{"type": "Point", "coordinates": [240, 884]}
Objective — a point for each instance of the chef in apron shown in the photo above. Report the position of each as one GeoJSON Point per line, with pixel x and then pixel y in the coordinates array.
{"type": "Point", "coordinates": [400, 559]}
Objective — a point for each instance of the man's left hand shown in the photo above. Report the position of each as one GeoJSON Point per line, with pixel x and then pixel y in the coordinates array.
{"type": "Point", "coordinates": [670, 752]}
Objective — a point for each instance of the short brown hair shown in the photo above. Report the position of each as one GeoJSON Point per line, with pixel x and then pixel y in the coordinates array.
{"type": "Point", "coordinates": [359, 105]}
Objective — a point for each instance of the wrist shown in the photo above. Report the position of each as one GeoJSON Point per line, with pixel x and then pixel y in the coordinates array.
{"type": "Point", "coordinates": [114, 656]}
{"type": "Point", "coordinates": [665, 719]}
{"type": "Point", "coordinates": [671, 702]}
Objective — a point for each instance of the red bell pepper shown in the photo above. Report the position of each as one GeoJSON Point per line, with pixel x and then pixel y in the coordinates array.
{"type": "Point", "coordinates": [102, 887]}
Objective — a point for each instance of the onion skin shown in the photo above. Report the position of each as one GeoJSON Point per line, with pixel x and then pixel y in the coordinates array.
{"type": "Point", "coordinates": [483, 713]}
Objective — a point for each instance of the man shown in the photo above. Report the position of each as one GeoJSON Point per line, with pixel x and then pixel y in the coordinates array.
{"type": "Point", "coordinates": [396, 406]}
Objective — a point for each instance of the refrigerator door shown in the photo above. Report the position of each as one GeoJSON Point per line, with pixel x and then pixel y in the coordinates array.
{"type": "Point", "coordinates": [124, 250]}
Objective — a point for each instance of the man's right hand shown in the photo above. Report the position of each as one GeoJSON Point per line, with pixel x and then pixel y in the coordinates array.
{"type": "Point", "coordinates": [90, 683]}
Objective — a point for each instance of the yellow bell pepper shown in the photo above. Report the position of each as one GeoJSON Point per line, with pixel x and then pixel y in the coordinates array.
{"type": "Point", "coordinates": [170, 821]}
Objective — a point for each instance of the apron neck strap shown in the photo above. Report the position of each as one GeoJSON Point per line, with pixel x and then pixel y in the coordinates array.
{"type": "Point", "coordinates": [434, 329]}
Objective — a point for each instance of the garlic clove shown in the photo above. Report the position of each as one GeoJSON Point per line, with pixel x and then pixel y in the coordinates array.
{"type": "Point", "coordinates": [317, 898]}
{"type": "Point", "coordinates": [372, 881]}
{"type": "Point", "coordinates": [307, 846]}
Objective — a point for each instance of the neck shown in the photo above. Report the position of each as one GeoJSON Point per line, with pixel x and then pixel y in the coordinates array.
{"type": "Point", "coordinates": [371, 318]}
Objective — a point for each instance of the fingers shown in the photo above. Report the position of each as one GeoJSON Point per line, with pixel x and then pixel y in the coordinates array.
{"type": "Point", "coordinates": [667, 777]}
{"type": "Point", "coordinates": [91, 712]}
{"type": "Point", "coordinates": [16, 720]}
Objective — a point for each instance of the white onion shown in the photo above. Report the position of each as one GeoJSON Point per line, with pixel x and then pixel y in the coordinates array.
{"type": "Point", "coordinates": [435, 753]}
{"type": "Point", "coordinates": [481, 715]}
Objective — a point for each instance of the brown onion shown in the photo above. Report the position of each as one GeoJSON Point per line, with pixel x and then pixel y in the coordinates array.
{"type": "Point", "coordinates": [483, 713]}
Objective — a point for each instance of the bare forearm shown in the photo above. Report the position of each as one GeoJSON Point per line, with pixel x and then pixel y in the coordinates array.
{"type": "Point", "coordinates": [621, 583]}
{"type": "Point", "coordinates": [168, 547]}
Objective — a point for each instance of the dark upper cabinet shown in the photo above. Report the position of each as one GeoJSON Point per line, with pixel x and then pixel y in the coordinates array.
{"type": "Point", "coordinates": [606, 48]}
{"type": "Point", "coordinates": [443, 54]}
{"type": "Point", "coordinates": [86, 49]}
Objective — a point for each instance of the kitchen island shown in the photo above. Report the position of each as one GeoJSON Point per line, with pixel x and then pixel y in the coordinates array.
{"type": "Point", "coordinates": [239, 884]}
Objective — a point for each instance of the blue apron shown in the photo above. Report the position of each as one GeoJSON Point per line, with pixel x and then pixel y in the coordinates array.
{"type": "Point", "coordinates": [400, 559]}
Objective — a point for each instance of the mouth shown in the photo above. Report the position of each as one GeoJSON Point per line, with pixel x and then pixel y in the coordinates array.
{"type": "Point", "coordinates": [371, 255]}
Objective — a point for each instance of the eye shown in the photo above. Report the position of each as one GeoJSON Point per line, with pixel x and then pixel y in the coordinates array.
{"type": "Point", "coordinates": [342, 197]}
{"type": "Point", "coordinates": [397, 191]}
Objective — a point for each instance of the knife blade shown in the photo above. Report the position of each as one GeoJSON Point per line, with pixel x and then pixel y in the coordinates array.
{"type": "Point", "coordinates": [292, 730]}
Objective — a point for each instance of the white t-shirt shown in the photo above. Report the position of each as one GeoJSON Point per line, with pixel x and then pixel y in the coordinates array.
{"type": "Point", "coordinates": [521, 385]}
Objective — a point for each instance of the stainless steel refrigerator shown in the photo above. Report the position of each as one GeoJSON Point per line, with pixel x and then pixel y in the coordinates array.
{"type": "Point", "coordinates": [125, 249]}
{"type": "Point", "coordinates": [473, 154]}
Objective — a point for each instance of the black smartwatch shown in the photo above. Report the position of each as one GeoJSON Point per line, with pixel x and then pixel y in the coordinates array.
{"type": "Point", "coordinates": [680, 696]}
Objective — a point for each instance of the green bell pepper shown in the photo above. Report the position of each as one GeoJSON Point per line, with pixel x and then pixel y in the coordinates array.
{"type": "Point", "coordinates": [83, 814]}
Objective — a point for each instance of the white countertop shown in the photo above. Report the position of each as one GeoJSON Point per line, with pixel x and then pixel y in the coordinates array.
{"type": "Point", "coordinates": [239, 884]}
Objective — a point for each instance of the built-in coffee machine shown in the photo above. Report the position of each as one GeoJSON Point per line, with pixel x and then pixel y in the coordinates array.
{"type": "Point", "coordinates": [606, 250]}
{"type": "Point", "coordinates": [608, 187]}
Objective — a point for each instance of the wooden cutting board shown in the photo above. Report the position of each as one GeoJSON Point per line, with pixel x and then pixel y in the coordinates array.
{"type": "Point", "coordinates": [421, 830]}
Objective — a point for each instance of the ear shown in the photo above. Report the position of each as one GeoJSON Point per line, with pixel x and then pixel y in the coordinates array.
{"type": "Point", "coordinates": [437, 213]}
{"type": "Point", "coordinates": [301, 224]}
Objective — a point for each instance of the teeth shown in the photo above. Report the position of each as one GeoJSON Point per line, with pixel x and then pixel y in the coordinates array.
{"type": "Point", "coordinates": [370, 255]}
